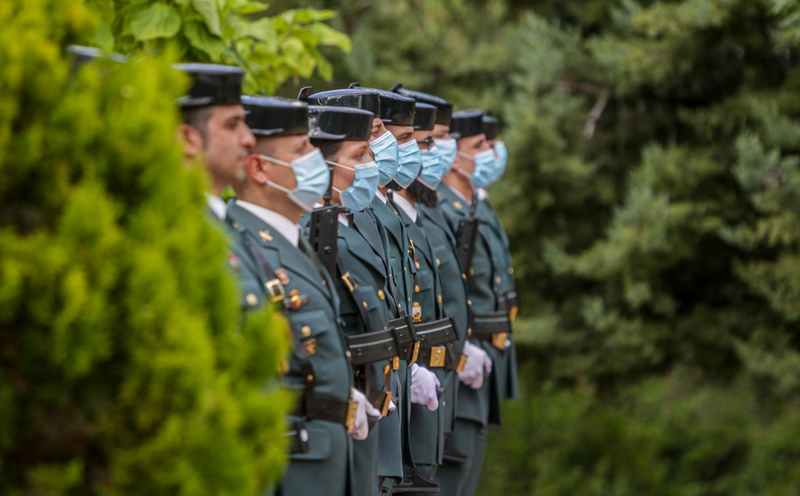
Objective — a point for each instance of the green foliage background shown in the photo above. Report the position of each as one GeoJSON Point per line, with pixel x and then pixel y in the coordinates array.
{"type": "Point", "coordinates": [652, 202]}
{"type": "Point", "coordinates": [125, 367]}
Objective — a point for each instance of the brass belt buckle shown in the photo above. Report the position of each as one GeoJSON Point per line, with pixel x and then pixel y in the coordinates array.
{"type": "Point", "coordinates": [437, 355]}
{"type": "Point", "coordinates": [387, 399]}
{"type": "Point", "coordinates": [350, 421]}
{"type": "Point", "coordinates": [414, 353]}
{"type": "Point", "coordinates": [499, 340]}
{"type": "Point", "coordinates": [462, 362]}
{"type": "Point", "coordinates": [512, 315]}
{"type": "Point", "coordinates": [349, 282]}
{"type": "Point", "coordinates": [275, 290]}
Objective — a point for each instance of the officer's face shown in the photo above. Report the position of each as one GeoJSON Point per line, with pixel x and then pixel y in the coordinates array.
{"type": "Point", "coordinates": [350, 154]}
{"type": "Point", "coordinates": [424, 139]}
{"type": "Point", "coordinates": [378, 129]}
{"type": "Point", "coordinates": [440, 131]}
{"type": "Point", "coordinates": [283, 148]}
{"type": "Point", "coordinates": [470, 146]}
{"type": "Point", "coordinates": [227, 143]}
{"type": "Point", "coordinates": [402, 133]}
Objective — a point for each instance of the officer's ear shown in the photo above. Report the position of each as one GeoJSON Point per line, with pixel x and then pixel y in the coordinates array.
{"type": "Point", "coordinates": [192, 139]}
{"type": "Point", "coordinates": [257, 168]}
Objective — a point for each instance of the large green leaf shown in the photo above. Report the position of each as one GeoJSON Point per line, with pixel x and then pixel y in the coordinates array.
{"type": "Point", "coordinates": [157, 21]}
{"type": "Point", "coordinates": [208, 9]}
{"type": "Point", "coordinates": [201, 39]}
{"type": "Point", "coordinates": [245, 7]}
{"type": "Point", "coordinates": [329, 36]}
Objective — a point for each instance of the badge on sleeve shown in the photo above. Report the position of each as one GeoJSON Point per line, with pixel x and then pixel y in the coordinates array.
{"type": "Point", "coordinates": [416, 312]}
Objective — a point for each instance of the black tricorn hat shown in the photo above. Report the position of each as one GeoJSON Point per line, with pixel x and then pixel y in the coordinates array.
{"type": "Point", "coordinates": [490, 127]}
{"type": "Point", "coordinates": [424, 117]}
{"type": "Point", "coordinates": [396, 109]}
{"type": "Point", "coordinates": [466, 123]}
{"type": "Point", "coordinates": [358, 98]}
{"type": "Point", "coordinates": [275, 116]}
{"type": "Point", "coordinates": [339, 123]}
{"type": "Point", "coordinates": [444, 109]}
{"type": "Point", "coordinates": [212, 84]}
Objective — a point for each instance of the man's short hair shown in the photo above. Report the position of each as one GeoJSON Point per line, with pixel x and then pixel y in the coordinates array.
{"type": "Point", "coordinates": [198, 117]}
{"type": "Point", "coordinates": [328, 148]}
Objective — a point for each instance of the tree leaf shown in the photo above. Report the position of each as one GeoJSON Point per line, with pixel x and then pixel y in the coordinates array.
{"type": "Point", "coordinates": [201, 39]}
{"type": "Point", "coordinates": [329, 36]}
{"type": "Point", "coordinates": [245, 8]}
{"type": "Point", "coordinates": [208, 9]}
{"type": "Point", "coordinates": [157, 21]}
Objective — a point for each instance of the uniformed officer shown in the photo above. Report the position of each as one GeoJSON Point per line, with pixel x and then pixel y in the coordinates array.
{"type": "Point", "coordinates": [286, 175]}
{"type": "Point", "coordinates": [384, 148]}
{"type": "Point", "coordinates": [366, 305]}
{"type": "Point", "coordinates": [497, 238]}
{"type": "Point", "coordinates": [214, 129]}
{"type": "Point", "coordinates": [490, 326]}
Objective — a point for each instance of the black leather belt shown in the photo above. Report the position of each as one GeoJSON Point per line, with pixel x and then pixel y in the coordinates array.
{"type": "Point", "coordinates": [510, 302]}
{"type": "Point", "coordinates": [382, 345]}
{"type": "Point", "coordinates": [434, 336]}
{"type": "Point", "coordinates": [314, 407]}
{"type": "Point", "coordinates": [493, 327]}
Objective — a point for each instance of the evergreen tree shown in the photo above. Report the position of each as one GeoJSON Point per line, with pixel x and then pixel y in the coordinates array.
{"type": "Point", "coordinates": [124, 365]}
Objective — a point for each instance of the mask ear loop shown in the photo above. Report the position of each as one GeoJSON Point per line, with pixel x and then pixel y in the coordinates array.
{"type": "Point", "coordinates": [274, 184]}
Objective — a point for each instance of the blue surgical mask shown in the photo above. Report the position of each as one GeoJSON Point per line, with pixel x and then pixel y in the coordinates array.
{"type": "Point", "coordinates": [385, 150]}
{"type": "Point", "coordinates": [410, 163]}
{"type": "Point", "coordinates": [359, 195]}
{"type": "Point", "coordinates": [502, 160]}
{"type": "Point", "coordinates": [312, 176]}
{"type": "Point", "coordinates": [447, 148]}
{"type": "Point", "coordinates": [484, 167]}
{"type": "Point", "coordinates": [432, 168]}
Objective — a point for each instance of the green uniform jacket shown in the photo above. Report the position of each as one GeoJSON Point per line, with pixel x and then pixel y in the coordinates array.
{"type": "Point", "coordinates": [454, 289]}
{"type": "Point", "coordinates": [364, 256]}
{"type": "Point", "coordinates": [479, 405]}
{"type": "Point", "coordinates": [428, 428]}
{"type": "Point", "coordinates": [326, 468]}
{"type": "Point", "coordinates": [496, 236]}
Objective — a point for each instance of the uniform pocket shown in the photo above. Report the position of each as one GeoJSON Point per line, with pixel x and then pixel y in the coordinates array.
{"type": "Point", "coordinates": [319, 445]}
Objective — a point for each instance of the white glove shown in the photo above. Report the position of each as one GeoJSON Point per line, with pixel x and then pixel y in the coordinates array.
{"type": "Point", "coordinates": [361, 427]}
{"type": "Point", "coordinates": [478, 366]}
{"type": "Point", "coordinates": [423, 387]}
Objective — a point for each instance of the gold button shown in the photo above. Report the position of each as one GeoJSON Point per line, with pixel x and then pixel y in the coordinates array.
{"type": "Point", "coordinates": [310, 377]}
{"type": "Point", "coordinates": [497, 280]}
{"type": "Point", "coordinates": [438, 262]}
{"type": "Point", "coordinates": [469, 302]}
{"type": "Point", "coordinates": [381, 294]}
{"type": "Point", "coordinates": [511, 270]}
{"type": "Point", "coordinates": [306, 331]}
{"type": "Point", "coordinates": [469, 331]}
{"type": "Point", "coordinates": [347, 353]}
{"type": "Point", "coordinates": [472, 272]}
{"type": "Point", "coordinates": [251, 299]}
{"type": "Point", "coordinates": [364, 304]}
{"type": "Point", "coordinates": [236, 225]}
{"type": "Point", "coordinates": [463, 276]}
{"type": "Point", "coordinates": [416, 289]}
{"type": "Point", "coordinates": [440, 298]}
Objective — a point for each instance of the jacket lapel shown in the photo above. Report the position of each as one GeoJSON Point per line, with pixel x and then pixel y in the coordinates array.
{"type": "Point", "coordinates": [365, 225]}
{"type": "Point", "coordinates": [359, 247]}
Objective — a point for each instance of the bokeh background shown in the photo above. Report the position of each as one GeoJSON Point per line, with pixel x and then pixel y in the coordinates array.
{"type": "Point", "coordinates": [652, 200]}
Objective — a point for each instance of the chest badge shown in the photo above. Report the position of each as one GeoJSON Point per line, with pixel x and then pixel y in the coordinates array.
{"type": "Point", "coordinates": [233, 261]}
{"type": "Point", "coordinates": [458, 205]}
{"type": "Point", "coordinates": [282, 276]}
{"type": "Point", "coordinates": [265, 235]}
{"type": "Point", "coordinates": [416, 312]}
{"type": "Point", "coordinates": [296, 300]}
{"type": "Point", "coordinates": [311, 346]}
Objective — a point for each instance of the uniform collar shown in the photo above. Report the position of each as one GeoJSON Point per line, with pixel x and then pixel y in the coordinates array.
{"type": "Point", "coordinates": [216, 205]}
{"type": "Point", "coordinates": [456, 192]}
{"type": "Point", "coordinates": [382, 197]}
{"type": "Point", "coordinates": [342, 217]}
{"type": "Point", "coordinates": [407, 207]}
{"type": "Point", "coordinates": [284, 226]}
